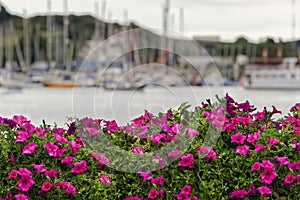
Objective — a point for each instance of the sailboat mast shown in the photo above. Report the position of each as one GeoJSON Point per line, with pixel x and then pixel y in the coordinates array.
{"type": "Point", "coordinates": [49, 33]}
{"type": "Point", "coordinates": [65, 36]}
{"type": "Point", "coordinates": [165, 27]}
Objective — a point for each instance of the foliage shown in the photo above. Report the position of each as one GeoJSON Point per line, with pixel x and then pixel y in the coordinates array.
{"type": "Point", "coordinates": [224, 150]}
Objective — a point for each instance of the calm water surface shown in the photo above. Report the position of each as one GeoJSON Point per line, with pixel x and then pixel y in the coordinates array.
{"type": "Point", "coordinates": [54, 105]}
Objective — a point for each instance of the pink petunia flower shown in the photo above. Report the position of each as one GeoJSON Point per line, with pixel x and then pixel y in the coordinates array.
{"type": "Point", "coordinates": [29, 127]}
{"type": "Point", "coordinates": [268, 175]}
{"type": "Point", "coordinates": [289, 179]}
{"type": "Point", "coordinates": [242, 150]}
{"type": "Point", "coordinates": [253, 137]}
{"type": "Point", "coordinates": [186, 161]}
{"type": "Point", "coordinates": [174, 153]}
{"type": "Point", "coordinates": [46, 186]}
{"type": "Point", "coordinates": [25, 183]}
{"type": "Point", "coordinates": [259, 147]}
{"type": "Point", "coordinates": [105, 179]}
{"type": "Point", "coordinates": [267, 164]}
{"type": "Point", "coordinates": [51, 149]}
{"type": "Point", "coordinates": [21, 197]}
{"type": "Point", "coordinates": [103, 160]}
{"type": "Point", "coordinates": [29, 148]}
{"type": "Point", "coordinates": [79, 167]}
{"type": "Point", "coordinates": [263, 190]}
{"type": "Point", "coordinates": [293, 165]}
{"type": "Point", "coordinates": [256, 166]}
{"type": "Point", "coordinates": [51, 173]}
{"type": "Point", "coordinates": [158, 180]}
{"type": "Point", "coordinates": [187, 189]}
{"type": "Point", "coordinates": [272, 141]}
{"type": "Point", "coordinates": [156, 138]}
{"type": "Point", "coordinates": [59, 138]}
{"type": "Point", "coordinates": [281, 160]}
{"type": "Point", "coordinates": [67, 160]}
{"type": "Point", "coordinates": [13, 173]}
{"type": "Point", "coordinates": [145, 176]}
{"type": "Point", "coordinates": [39, 168]}
{"type": "Point", "coordinates": [207, 151]}
{"type": "Point", "coordinates": [67, 186]}
{"type": "Point", "coordinates": [238, 138]}
{"type": "Point", "coordinates": [74, 146]}
{"type": "Point", "coordinates": [137, 150]}
{"type": "Point", "coordinates": [238, 194]}
{"type": "Point", "coordinates": [152, 194]}
{"type": "Point", "coordinates": [20, 119]}
{"type": "Point", "coordinates": [22, 136]}
{"type": "Point", "coordinates": [190, 132]}
{"type": "Point", "coordinates": [24, 172]}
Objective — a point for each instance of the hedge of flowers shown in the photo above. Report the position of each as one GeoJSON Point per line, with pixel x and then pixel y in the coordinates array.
{"type": "Point", "coordinates": [230, 150]}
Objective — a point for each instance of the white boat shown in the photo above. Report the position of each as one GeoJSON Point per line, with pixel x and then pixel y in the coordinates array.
{"type": "Point", "coordinates": [283, 76]}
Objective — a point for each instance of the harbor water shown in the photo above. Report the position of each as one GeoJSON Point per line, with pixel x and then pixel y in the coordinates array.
{"type": "Point", "coordinates": [56, 105]}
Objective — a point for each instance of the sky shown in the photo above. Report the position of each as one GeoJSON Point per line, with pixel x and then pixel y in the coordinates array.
{"type": "Point", "coordinates": [228, 19]}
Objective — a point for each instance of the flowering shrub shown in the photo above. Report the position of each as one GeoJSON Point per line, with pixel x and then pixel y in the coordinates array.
{"type": "Point", "coordinates": [227, 150]}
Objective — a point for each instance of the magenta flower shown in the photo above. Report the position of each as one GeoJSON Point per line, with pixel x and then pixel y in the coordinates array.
{"type": "Point", "coordinates": [46, 186]}
{"type": "Point", "coordinates": [272, 141]}
{"type": "Point", "coordinates": [41, 132]}
{"type": "Point", "coordinates": [281, 160]}
{"type": "Point", "coordinates": [298, 178]}
{"type": "Point", "coordinates": [253, 137]}
{"type": "Point", "coordinates": [152, 194]}
{"type": "Point", "coordinates": [59, 138]}
{"type": "Point", "coordinates": [39, 168]}
{"type": "Point", "coordinates": [259, 147]}
{"type": "Point", "coordinates": [25, 183]}
{"type": "Point", "coordinates": [238, 194]}
{"type": "Point", "coordinates": [79, 167]}
{"type": "Point", "coordinates": [19, 119]}
{"type": "Point", "coordinates": [92, 131]}
{"type": "Point", "coordinates": [190, 132]}
{"type": "Point", "coordinates": [137, 150]}
{"type": "Point", "coordinates": [24, 172]}
{"type": "Point", "coordinates": [263, 190]}
{"type": "Point", "coordinates": [289, 179]}
{"type": "Point", "coordinates": [22, 136]}
{"type": "Point", "coordinates": [207, 151]}
{"type": "Point", "coordinates": [13, 174]}
{"type": "Point", "coordinates": [158, 180]}
{"type": "Point", "coordinates": [51, 149]}
{"type": "Point", "coordinates": [160, 160]}
{"type": "Point", "coordinates": [238, 138]}
{"type": "Point", "coordinates": [293, 165]}
{"type": "Point", "coordinates": [51, 173]}
{"type": "Point", "coordinates": [274, 111]}
{"type": "Point", "coordinates": [194, 197]}
{"type": "Point", "coordinates": [186, 161]}
{"type": "Point", "coordinates": [174, 153]}
{"type": "Point", "coordinates": [67, 160]}
{"type": "Point", "coordinates": [21, 197]}
{"type": "Point", "coordinates": [256, 166]}
{"type": "Point", "coordinates": [11, 157]}
{"type": "Point", "coordinates": [29, 148]}
{"type": "Point", "coordinates": [182, 196]}
{"type": "Point", "coordinates": [29, 127]}
{"type": "Point", "coordinates": [68, 187]}
{"type": "Point", "coordinates": [268, 176]}
{"type": "Point", "coordinates": [267, 164]}
{"type": "Point", "coordinates": [74, 146]}
{"type": "Point", "coordinates": [187, 189]}
{"type": "Point", "coordinates": [156, 138]}
{"type": "Point", "coordinates": [242, 150]}
{"type": "Point", "coordinates": [103, 160]}
{"type": "Point", "coordinates": [145, 176]}
{"type": "Point", "coordinates": [105, 179]}
{"type": "Point", "coordinates": [111, 125]}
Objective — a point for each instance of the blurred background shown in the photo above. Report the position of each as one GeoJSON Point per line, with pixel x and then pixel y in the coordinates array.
{"type": "Point", "coordinates": [112, 59]}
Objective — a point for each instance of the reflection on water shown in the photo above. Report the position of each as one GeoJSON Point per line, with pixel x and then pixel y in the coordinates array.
{"type": "Point", "coordinates": [55, 105]}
